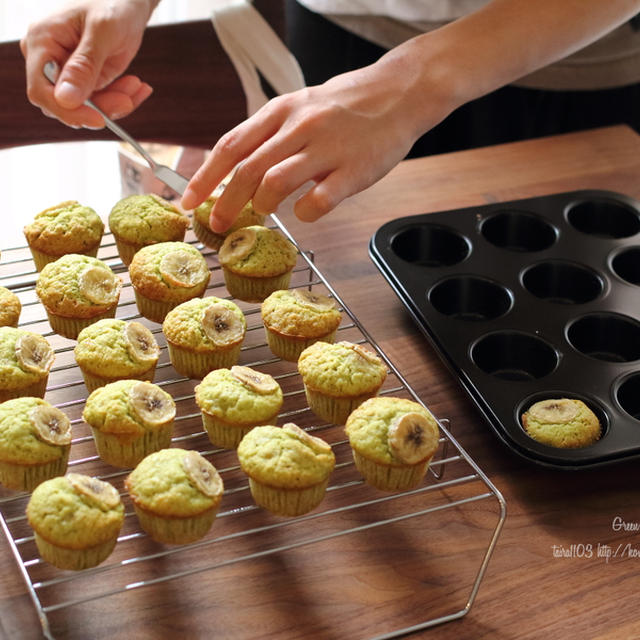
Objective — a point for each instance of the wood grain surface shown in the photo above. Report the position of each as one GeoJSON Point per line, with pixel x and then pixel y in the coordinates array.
{"type": "Point", "coordinates": [397, 575]}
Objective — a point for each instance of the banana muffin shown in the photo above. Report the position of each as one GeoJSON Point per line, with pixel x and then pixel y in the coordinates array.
{"type": "Point", "coordinates": [129, 419]}
{"type": "Point", "coordinates": [68, 227]}
{"type": "Point", "coordinates": [176, 495]}
{"type": "Point", "coordinates": [565, 423]}
{"type": "Point", "coordinates": [204, 334]}
{"type": "Point", "coordinates": [25, 361]}
{"type": "Point", "coordinates": [256, 261]}
{"type": "Point", "coordinates": [246, 218]}
{"type": "Point", "coordinates": [140, 220]}
{"type": "Point", "coordinates": [339, 377]}
{"type": "Point", "coordinates": [288, 469]}
{"type": "Point", "coordinates": [35, 438]}
{"type": "Point", "coordinates": [76, 520]}
{"type": "Point", "coordinates": [393, 441]}
{"type": "Point", "coordinates": [165, 274]}
{"type": "Point", "coordinates": [77, 290]}
{"type": "Point", "coordinates": [111, 349]}
{"type": "Point", "coordinates": [294, 320]}
{"type": "Point", "coordinates": [233, 401]}
{"type": "Point", "coordinates": [10, 308]}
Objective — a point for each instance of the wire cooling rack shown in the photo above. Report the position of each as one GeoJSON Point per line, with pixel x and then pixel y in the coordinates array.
{"type": "Point", "coordinates": [431, 544]}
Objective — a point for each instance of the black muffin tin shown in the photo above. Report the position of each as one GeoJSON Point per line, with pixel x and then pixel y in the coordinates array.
{"type": "Point", "coordinates": [531, 299]}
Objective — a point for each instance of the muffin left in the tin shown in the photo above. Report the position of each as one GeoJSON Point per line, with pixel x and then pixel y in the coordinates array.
{"type": "Point", "coordinates": [176, 494]}
{"type": "Point", "coordinates": [68, 227]}
{"type": "Point", "coordinates": [113, 349]}
{"type": "Point", "coordinates": [77, 290]}
{"type": "Point", "coordinates": [166, 274]}
{"type": "Point", "coordinates": [25, 361]}
{"type": "Point", "coordinates": [35, 438]}
{"type": "Point", "coordinates": [76, 520]}
{"type": "Point", "coordinates": [129, 419]}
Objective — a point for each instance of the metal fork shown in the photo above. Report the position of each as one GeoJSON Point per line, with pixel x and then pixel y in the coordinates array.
{"type": "Point", "coordinates": [170, 177]}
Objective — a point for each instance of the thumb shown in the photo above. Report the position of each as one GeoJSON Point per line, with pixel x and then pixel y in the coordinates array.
{"type": "Point", "coordinates": [79, 76]}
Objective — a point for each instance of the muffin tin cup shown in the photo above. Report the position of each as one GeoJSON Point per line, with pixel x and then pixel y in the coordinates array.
{"type": "Point", "coordinates": [527, 300]}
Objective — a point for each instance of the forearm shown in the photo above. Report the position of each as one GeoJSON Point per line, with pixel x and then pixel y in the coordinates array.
{"type": "Point", "coordinates": [496, 45]}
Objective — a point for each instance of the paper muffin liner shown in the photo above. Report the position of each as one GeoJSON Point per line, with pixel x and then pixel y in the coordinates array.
{"type": "Point", "coordinates": [23, 477]}
{"type": "Point", "coordinates": [288, 502]}
{"type": "Point", "coordinates": [35, 390]}
{"type": "Point", "coordinates": [121, 451]}
{"type": "Point", "coordinates": [206, 236]}
{"type": "Point", "coordinates": [41, 259]}
{"type": "Point", "coordinates": [126, 250]}
{"type": "Point", "coordinates": [254, 289]}
{"type": "Point", "coordinates": [387, 477]}
{"type": "Point", "coordinates": [227, 435]}
{"type": "Point", "coordinates": [196, 365]}
{"type": "Point", "coordinates": [174, 530]}
{"type": "Point", "coordinates": [75, 559]}
{"type": "Point", "coordinates": [154, 310]}
{"type": "Point", "coordinates": [71, 327]}
{"type": "Point", "coordinates": [333, 408]}
{"type": "Point", "coordinates": [290, 348]}
{"type": "Point", "coordinates": [93, 382]}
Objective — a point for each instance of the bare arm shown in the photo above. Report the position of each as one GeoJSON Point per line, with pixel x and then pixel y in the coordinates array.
{"type": "Point", "coordinates": [346, 134]}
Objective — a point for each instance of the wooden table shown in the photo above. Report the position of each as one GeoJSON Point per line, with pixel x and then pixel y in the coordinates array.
{"type": "Point", "coordinates": [527, 591]}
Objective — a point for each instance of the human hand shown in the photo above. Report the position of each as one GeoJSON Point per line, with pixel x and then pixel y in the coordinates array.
{"type": "Point", "coordinates": [93, 42]}
{"type": "Point", "coordinates": [342, 136]}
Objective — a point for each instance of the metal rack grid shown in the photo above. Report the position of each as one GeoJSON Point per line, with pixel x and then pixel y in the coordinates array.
{"type": "Point", "coordinates": [55, 593]}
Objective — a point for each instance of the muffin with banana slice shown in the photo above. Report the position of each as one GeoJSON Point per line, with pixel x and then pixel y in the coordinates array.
{"type": "Point", "coordinates": [566, 423]}
{"type": "Point", "coordinates": [35, 438]}
{"type": "Point", "coordinates": [68, 227]}
{"type": "Point", "coordinates": [295, 319]}
{"type": "Point", "coordinates": [129, 419]}
{"type": "Point", "coordinates": [113, 349]}
{"type": "Point", "coordinates": [288, 468]}
{"type": "Point", "coordinates": [256, 261]}
{"type": "Point", "coordinates": [246, 218]}
{"type": "Point", "coordinates": [176, 495]}
{"type": "Point", "coordinates": [10, 308]}
{"type": "Point", "coordinates": [393, 441]}
{"type": "Point", "coordinates": [338, 377]}
{"type": "Point", "coordinates": [165, 274]}
{"type": "Point", "coordinates": [76, 520]}
{"type": "Point", "coordinates": [233, 401]}
{"type": "Point", "coordinates": [77, 290]}
{"type": "Point", "coordinates": [25, 361]}
{"type": "Point", "coordinates": [140, 220]}
{"type": "Point", "coordinates": [204, 334]}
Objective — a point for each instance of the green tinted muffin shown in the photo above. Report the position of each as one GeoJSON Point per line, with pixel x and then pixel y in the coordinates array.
{"type": "Point", "coordinates": [204, 334]}
{"type": "Point", "coordinates": [256, 261]}
{"type": "Point", "coordinates": [129, 419]}
{"type": "Point", "coordinates": [10, 308]}
{"type": "Point", "coordinates": [68, 227]}
{"type": "Point", "coordinates": [338, 377]}
{"type": "Point", "coordinates": [165, 274]}
{"type": "Point", "coordinates": [140, 220]}
{"type": "Point", "coordinates": [294, 320]}
{"type": "Point", "coordinates": [393, 441]}
{"type": "Point", "coordinates": [565, 423]}
{"type": "Point", "coordinates": [35, 438]}
{"type": "Point", "coordinates": [25, 361]}
{"type": "Point", "coordinates": [77, 290]}
{"type": "Point", "coordinates": [246, 218]}
{"type": "Point", "coordinates": [176, 495]}
{"type": "Point", "coordinates": [288, 469]}
{"type": "Point", "coordinates": [76, 520]}
{"type": "Point", "coordinates": [112, 349]}
{"type": "Point", "coordinates": [233, 401]}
